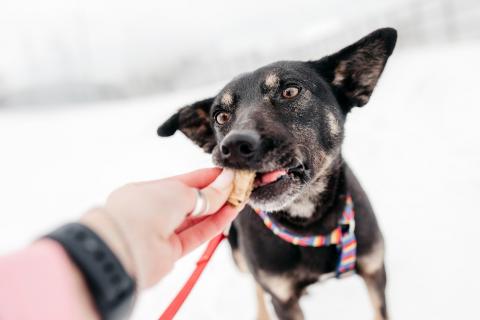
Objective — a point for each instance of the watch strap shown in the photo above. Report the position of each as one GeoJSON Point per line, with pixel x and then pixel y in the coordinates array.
{"type": "Point", "coordinates": [112, 289]}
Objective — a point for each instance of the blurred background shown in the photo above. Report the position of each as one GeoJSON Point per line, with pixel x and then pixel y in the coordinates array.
{"type": "Point", "coordinates": [84, 84]}
{"type": "Point", "coordinates": [70, 51]}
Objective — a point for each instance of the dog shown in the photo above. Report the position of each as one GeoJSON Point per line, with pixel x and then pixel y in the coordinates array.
{"type": "Point", "coordinates": [286, 122]}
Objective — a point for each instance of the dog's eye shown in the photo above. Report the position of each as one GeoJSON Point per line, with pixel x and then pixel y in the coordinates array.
{"type": "Point", "coordinates": [290, 92]}
{"type": "Point", "coordinates": [222, 117]}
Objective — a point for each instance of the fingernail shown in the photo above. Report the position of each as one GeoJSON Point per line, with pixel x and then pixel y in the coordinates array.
{"type": "Point", "coordinates": [224, 180]}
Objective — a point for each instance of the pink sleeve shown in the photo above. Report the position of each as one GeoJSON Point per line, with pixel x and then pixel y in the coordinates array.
{"type": "Point", "coordinates": [40, 282]}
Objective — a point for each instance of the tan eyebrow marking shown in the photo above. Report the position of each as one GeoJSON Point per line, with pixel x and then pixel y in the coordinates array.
{"type": "Point", "coordinates": [227, 99]}
{"type": "Point", "coordinates": [333, 124]}
{"type": "Point", "coordinates": [272, 81]}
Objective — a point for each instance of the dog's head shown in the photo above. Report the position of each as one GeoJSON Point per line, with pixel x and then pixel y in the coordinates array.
{"type": "Point", "coordinates": [285, 120]}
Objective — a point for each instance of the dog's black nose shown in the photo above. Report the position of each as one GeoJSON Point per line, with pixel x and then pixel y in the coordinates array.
{"type": "Point", "coordinates": [240, 145]}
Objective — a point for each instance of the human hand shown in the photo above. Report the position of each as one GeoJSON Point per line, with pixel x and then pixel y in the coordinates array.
{"type": "Point", "coordinates": [147, 225]}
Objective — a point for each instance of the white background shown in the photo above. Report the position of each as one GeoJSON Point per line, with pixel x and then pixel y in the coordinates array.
{"type": "Point", "coordinates": [414, 147]}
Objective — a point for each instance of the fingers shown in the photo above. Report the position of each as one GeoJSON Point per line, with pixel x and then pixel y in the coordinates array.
{"type": "Point", "coordinates": [184, 197]}
{"type": "Point", "coordinates": [178, 197]}
{"type": "Point", "coordinates": [218, 191]}
{"type": "Point", "coordinates": [189, 222]}
{"type": "Point", "coordinates": [205, 230]}
{"type": "Point", "coordinates": [196, 179]}
{"type": "Point", "coordinates": [199, 178]}
{"type": "Point", "coordinates": [169, 201]}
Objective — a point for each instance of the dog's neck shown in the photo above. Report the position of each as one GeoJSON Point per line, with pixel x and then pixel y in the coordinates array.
{"type": "Point", "coordinates": [318, 209]}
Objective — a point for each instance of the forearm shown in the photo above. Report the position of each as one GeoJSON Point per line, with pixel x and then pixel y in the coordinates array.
{"type": "Point", "coordinates": [140, 233]}
{"type": "Point", "coordinates": [41, 282]}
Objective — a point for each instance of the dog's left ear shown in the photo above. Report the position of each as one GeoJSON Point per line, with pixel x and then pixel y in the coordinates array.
{"type": "Point", "coordinates": [354, 71]}
{"type": "Point", "coordinates": [194, 121]}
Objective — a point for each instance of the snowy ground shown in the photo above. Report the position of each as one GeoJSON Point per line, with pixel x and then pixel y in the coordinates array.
{"type": "Point", "coordinates": [415, 148]}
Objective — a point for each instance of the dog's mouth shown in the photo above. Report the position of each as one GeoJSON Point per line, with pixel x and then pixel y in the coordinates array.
{"type": "Point", "coordinates": [273, 188]}
{"type": "Point", "coordinates": [276, 182]}
{"type": "Point", "coordinates": [263, 179]}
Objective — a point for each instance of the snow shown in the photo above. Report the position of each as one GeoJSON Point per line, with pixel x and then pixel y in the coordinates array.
{"type": "Point", "coordinates": [414, 147]}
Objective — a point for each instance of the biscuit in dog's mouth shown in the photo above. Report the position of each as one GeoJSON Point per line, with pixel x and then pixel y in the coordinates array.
{"type": "Point", "coordinates": [246, 181]}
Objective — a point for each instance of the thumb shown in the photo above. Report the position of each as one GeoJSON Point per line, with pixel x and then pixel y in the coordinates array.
{"type": "Point", "coordinates": [218, 191]}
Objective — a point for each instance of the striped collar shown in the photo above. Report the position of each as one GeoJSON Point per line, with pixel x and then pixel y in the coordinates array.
{"type": "Point", "coordinates": [345, 240]}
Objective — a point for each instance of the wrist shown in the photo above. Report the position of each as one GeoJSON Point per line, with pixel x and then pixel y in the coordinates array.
{"type": "Point", "coordinates": [109, 284]}
{"type": "Point", "coordinates": [103, 225]}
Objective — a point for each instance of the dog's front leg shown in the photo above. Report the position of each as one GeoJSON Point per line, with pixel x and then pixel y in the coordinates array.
{"type": "Point", "coordinates": [371, 268]}
{"type": "Point", "coordinates": [262, 312]}
{"type": "Point", "coordinates": [287, 310]}
{"type": "Point", "coordinates": [285, 298]}
{"type": "Point", "coordinates": [376, 283]}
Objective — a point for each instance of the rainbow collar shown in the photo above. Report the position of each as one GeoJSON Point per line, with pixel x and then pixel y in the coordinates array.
{"type": "Point", "coordinates": [345, 240]}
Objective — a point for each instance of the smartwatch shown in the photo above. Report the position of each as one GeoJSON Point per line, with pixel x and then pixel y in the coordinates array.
{"type": "Point", "coordinates": [112, 289]}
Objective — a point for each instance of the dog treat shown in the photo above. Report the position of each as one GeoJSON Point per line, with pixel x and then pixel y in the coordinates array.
{"type": "Point", "coordinates": [242, 187]}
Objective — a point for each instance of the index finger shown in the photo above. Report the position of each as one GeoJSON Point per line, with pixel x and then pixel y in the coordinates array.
{"type": "Point", "coordinates": [196, 179]}
{"type": "Point", "coordinates": [205, 230]}
{"type": "Point", "coordinates": [199, 178]}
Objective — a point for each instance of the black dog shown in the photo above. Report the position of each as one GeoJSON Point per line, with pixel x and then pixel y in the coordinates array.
{"type": "Point", "coordinates": [286, 122]}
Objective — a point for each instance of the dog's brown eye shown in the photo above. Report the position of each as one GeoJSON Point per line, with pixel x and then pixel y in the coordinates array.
{"type": "Point", "coordinates": [222, 117]}
{"type": "Point", "coordinates": [290, 92]}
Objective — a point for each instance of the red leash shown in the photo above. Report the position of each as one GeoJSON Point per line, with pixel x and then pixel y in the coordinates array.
{"type": "Point", "coordinates": [182, 295]}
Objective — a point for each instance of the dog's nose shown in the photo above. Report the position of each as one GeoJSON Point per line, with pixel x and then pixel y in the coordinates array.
{"type": "Point", "coordinates": [240, 145]}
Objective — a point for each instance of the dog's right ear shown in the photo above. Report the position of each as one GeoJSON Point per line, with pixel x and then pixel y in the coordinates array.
{"type": "Point", "coordinates": [194, 121]}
